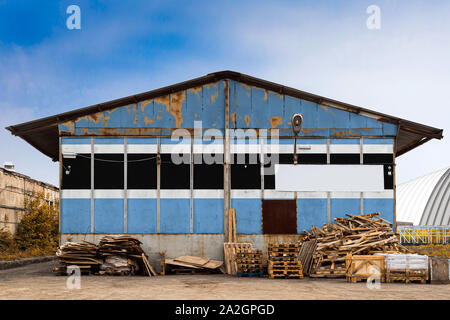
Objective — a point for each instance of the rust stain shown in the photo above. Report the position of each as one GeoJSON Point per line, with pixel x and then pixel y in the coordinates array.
{"type": "Point", "coordinates": [276, 121]}
{"type": "Point", "coordinates": [148, 121]}
{"type": "Point", "coordinates": [164, 100]}
{"type": "Point", "coordinates": [144, 104]}
{"type": "Point", "coordinates": [196, 90]}
{"type": "Point", "coordinates": [325, 108]}
{"type": "Point", "coordinates": [247, 120]}
{"type": "Point", "coordinates": [175, 107]}
{"type": "Point", "coordinates": [265, 95]}
{"type": "Point", "coordinates": [233, 118]}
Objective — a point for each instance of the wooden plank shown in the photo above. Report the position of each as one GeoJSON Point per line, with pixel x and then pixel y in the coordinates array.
{"type": "Point", "coordinates": [181, 264]}
{"type": "Point", "coordinates": [193, 260]}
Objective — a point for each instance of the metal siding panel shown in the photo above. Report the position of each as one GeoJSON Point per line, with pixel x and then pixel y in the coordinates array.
{"type": "Point", "coordinates": [108, 215]}
{"type": "Point", "coordinates": [208, 215]}
{"type": "Point", "coordinates": [378, 141]}
{"type": "Point", "coordinates": [213, 115]}
{"type": "Point", "coordinates": [345, 141]}
{"type": "Point", "coordinates": [275, 111]}
{"type": "Point", "coordinates": [141, 215]}
{"type": "Point", "coordinates": [248, 215]}
{"type": "Point", "coordinates": [175, 215]}
{"type": "Point", "coordinates": [244, 107]}
{"type": "Point", "coordinates": [75, 215]}
{"type": "Point", "coordinates": [384, 206]}
{"type": "Point", "coordinates": [194, 107]}
{"type": "Point", "coordinates": [292, 106]}
{"type": "Point", "coordinates": [341, 207]}
{"type": "Point", "coordinates": [311, 212]}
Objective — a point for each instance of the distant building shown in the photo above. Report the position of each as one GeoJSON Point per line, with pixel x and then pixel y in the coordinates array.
{"type": "Point", "coordinates": [425, 201]}
{"type": "Point", "coordinates": [14, 189]}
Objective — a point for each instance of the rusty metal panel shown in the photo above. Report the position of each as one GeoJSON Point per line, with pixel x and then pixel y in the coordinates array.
{"type": "Point", "coordinates": [279, 216]}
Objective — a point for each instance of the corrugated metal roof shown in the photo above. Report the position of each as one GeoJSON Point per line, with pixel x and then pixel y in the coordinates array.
{"type": "Point", "coordinates": [425, 200]}
{"type": "Point", "coordinates": [43, 133]}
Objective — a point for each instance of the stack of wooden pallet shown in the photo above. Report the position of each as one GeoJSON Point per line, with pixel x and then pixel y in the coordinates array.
{"type": "Point", "coordinates": [283, 261]}
{"type": "Point", "coordinates": [249, 262]}
{"type": "Point", "coordinates": [356, 235]}
{"type": "Point", "coordinates": [83, 255]}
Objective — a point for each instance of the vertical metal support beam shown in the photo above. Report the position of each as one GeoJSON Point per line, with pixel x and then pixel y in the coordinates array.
{"type": "Point", "coordinates": [60, 185]}
{"type": "Point", "coordinates": [125, 184]}
{"type": "Point", "coordinates": [158, 186]}
{"type": "Point", "coordinates": [226, 164]}
{"type": "Point", "coordinates": [92, 184]}
{"type": "Point", "coordinates": [395, 185]}
{"type": "Point", "coordinates": [328, 151]}
{"type": "Point", "coordinates": [361, 151]}
{"type": "Point", "coordinates": [191, 185]}
{"type": "Point", "coordinates": [329, 207]}
{"type": "Point", "coordinates": [262, 146]}
{"type": "Point", "coordinates": [362, 203]}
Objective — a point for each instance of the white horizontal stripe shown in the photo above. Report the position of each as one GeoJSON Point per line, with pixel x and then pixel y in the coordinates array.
{"type": "Point", "coordinates": [76, 194]}
{"type": "Point", "coordinates": [141, 194]}
{"type": "Point", "coordinates": [246, 194]}
{"type": "Point", "coordinates": [175, 194]}
{"type": "Point", "coordinates": [345, 195]}
{"type": "Point", "coordinates": [378, 148]}
{"type": "Point", "coordinates": [311, 195]}
{"type": "Point", "coordinates": [219, 194]}
{"type": "Point", "coordinates": [142, 148]}
{"type": "Point", "coordinates": [345, 148]}
{"type": "Point", "coordinates": [209, 194]}
{"type": "Point", "coordinates": [245, 148]}
{"type": "Point", "coordinates": [109, 194]}
{"type": "Point", "coordinates": [176, 148]}
{"type": "Point", "coordinates": [208, 149]}
{"type": "Point", "coordinates": [387, 194]}
{"type": "Point", "coordinates": [109, 148]}
{"type": "Point", "coordinates": [273, 194]}
{"type": "Point", "coordinates": [76, 148]}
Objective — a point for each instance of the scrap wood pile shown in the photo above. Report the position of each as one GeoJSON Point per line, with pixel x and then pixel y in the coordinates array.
{"type": "Point", "coordinates": [120, 255]}
{"type": "Point", "coordinates": [356, 235]}
{"type": "Point", "coordinates": [249, 262]}
{"type": "Point", "coordinates": [192, 265]}
{"type": "Point", "coordinates": [123, 255]}
{"type": "Point", "coordinates": [83, 255]}
{"type": "Point", "coordinates": [283, 261]}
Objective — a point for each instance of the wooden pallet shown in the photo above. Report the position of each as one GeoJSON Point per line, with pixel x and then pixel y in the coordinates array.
{"type": "Point", "coordinates": [285, 276]}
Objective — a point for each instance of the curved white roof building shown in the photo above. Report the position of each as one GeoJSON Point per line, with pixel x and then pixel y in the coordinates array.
{"type": "Point", "coordinates": [424, 201]}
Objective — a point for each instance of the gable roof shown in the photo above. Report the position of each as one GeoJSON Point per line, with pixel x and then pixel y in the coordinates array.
{"type": "Point", "coordinates": [43, 133]}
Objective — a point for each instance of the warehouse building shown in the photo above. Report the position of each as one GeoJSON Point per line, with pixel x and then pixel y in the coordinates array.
{"type": "Point", "coordinates": [167, 165]}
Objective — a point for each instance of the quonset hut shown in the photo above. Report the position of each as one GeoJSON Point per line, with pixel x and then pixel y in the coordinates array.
{"type": "Point", "coordinates": [167, 165]}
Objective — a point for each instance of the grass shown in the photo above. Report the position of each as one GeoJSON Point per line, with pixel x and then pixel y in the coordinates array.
{"type": "Point", "coordinates": [432, 250]}
{"type": "Point", "coordinates": [28, 253]}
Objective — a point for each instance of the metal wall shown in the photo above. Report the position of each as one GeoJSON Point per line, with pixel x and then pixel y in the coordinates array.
{"type": "Point", "coordinates": [184, 205]}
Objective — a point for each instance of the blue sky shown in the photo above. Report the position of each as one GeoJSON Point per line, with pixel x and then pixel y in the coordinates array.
{"type": "Point", "coordinates": [323, 47]}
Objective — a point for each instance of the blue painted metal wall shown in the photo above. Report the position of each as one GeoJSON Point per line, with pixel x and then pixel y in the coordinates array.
{"type": "Point", "coordinates": [250, 107]}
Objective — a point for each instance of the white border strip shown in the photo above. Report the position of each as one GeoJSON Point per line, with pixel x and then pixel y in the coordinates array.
{"type": "Point", "coordinates": [109, 148]}
{"type": "Point", "coordinates": [142, 148]}
{"type": "Point", "coordinates": [378, 148]}
{"type": "Point", "coordinates": [76, 193]}
{"type": "Point", "coordinates": [76, 148]}
{"type": "Point", "coordinates": [345, 148]}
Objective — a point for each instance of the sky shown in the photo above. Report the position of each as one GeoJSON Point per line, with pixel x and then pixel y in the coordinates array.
{"type": "Point", "coordinates": [322, 47]}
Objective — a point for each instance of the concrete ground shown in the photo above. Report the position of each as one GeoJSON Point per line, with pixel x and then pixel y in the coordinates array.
{"type": "Point", "coordinates": [37, 281]}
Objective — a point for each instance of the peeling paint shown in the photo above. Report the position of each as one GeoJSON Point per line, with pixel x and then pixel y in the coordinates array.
{"type": "Point", "coordinates": [276, 121]}
{"type": "Point", "coordinates": [176, 105]}
{"type": "Point", "coordinates": [247, 120]}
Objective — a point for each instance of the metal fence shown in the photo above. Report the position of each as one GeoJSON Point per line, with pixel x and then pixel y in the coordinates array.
{"type": "Point", "coordinates": [424, 234]}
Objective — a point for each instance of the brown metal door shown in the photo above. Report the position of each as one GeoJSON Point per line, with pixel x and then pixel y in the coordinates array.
{"type": "Point", "coordinates": [279, 216]}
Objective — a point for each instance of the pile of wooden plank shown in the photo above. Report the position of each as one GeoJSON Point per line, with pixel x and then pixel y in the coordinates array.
{"type": "Point", "coordinates": [283, 261]}
{"type": "Point", "coordinates": [249, 262]}
{"type": "Point", "coordinates": [123, 255]}
{"type": "Point", "coordinates": [356, 235]}
{"type": "Point", "coordinates": [307, 250]}
{"type": "Point", "coordinates": [192, 265]}
{"type": "Point", "coordinates": [83, 255]}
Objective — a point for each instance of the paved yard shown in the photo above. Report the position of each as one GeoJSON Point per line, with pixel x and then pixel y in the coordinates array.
{"type": "Point", "coordinates": [38, 282]}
